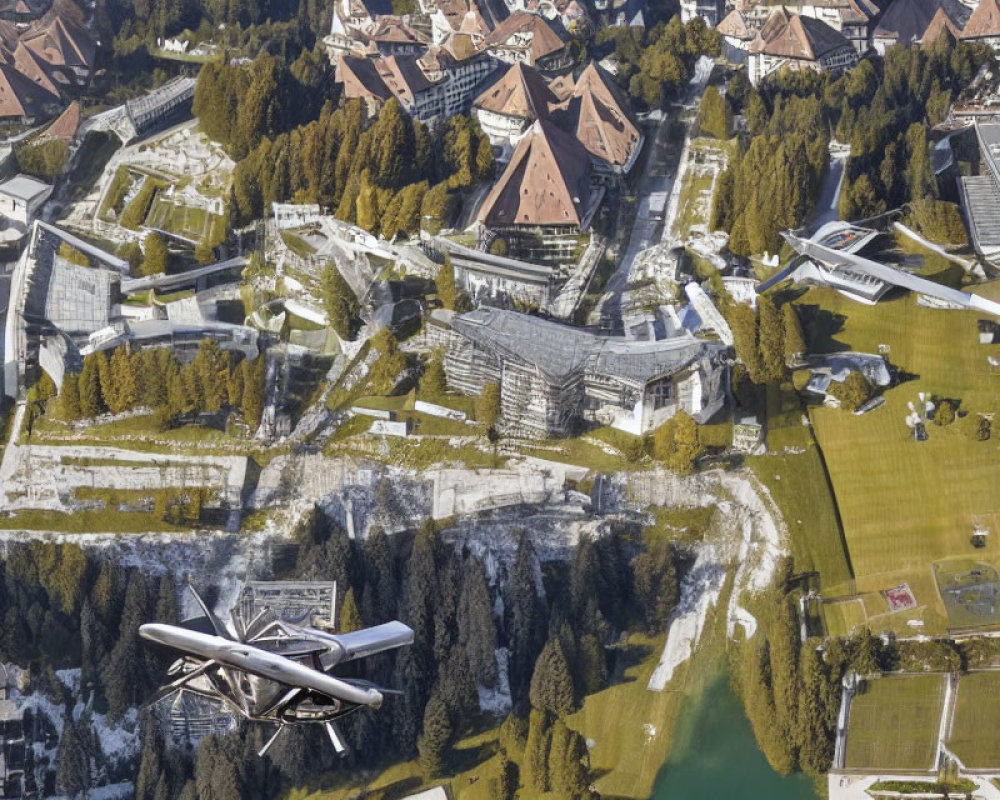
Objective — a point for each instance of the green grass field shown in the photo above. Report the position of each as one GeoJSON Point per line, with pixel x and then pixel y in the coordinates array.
{"type": "Point", "coordinates": [894, 724]}
{"type": "Point", "coordinates": [844, 616]}
{"type": "Point", "coordinates": [798, 484]}
{"type": "Point", "coordinates": [905, 504]}
{"type": "Point", "coordinates": [975, 736]}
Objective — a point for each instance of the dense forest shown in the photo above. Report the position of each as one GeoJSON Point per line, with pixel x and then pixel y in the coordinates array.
{"type": "Point", "coordinates": [883, 108]}
{"type": "Point", "coordinates": [292, 145]}
{"type": "Point", "coordinates": [656, 62]}
{"type": "Point", "coordinates": [132, 24]}
{"type": "Point", "coordinates": [555, 620]}
{"type": "Point", "coordinates": [153, 378]}
{"type": "Point", "coordinates": [386, 175]}
{"type": "Point", "coordinates": [65, 607]}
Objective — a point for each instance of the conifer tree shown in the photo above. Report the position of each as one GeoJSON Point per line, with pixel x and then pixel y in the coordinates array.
{"type": "Point", "coordinates": [72, 761]}
{"type": "Point", "coordinates": [433, 383]}
{"type": "Point", "coordinates": [536, 751]}
{"type": "Point", "coordinates": [350, 618]}
{"type": "Point", "coordinates": [488, 406]}
{"type": "Point", "coordinates": [445, 283]}
{"type": "Point", "coordinates": [123, 382]}
{"type": "Point", "coordinates": [794, 340]}
{"type": "Point", "coordinates": [551, 682]}
{"type": "Point", "coordinates": [339, 302]}
{"type": "Point", "coordinates": [69, 397]}
{"type": "Point", "coordinates": [154, 259]}
{"type": "Point", "coordinates": [771, 339]}
{"type": "Point", "coordinates": [435, 741]}
{"type": "Point", "coordinates": [526, 618]}
{"type": "Point", "coordinates": [476, 631]}
{"type": "Point", "coordinates": [91, 403]}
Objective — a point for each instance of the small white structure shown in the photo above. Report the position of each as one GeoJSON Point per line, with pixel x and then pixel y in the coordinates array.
{"type": "Point", "coordinates": [748, 434]}
{"type": "Point", "coordinates": [382, 427]}
{"type": "Point", "coordinates": [20, 199]}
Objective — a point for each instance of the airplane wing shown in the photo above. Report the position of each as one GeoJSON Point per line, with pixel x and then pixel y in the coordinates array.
{"type": "Point", "coordinates": [369, 641]}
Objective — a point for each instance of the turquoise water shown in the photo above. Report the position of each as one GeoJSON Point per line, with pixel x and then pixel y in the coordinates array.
{"type": "Point", "coordinates": [715, 755]}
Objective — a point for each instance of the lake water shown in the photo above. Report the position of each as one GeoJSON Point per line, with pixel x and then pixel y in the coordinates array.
{"type": "Point", "coordinates": [715, 755]}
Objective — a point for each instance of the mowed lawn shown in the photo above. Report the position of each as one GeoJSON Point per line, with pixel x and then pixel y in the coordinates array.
{"type": "Point", "coordinates": [975, 735]}
{"type": "Point", "coordinates": [894, 724]}
{"type": "Point", "coordinates": [905, 504]}
{"type": "Point", "coordinates": [797, 482]}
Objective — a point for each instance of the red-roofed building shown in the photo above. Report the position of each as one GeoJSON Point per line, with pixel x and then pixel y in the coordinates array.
{"type": "Point", "coordinates": [528, 38]}
{"type": "Point", "coordinates": [984, 24]}
{"type": "Point", "coordinates": [793, 41]}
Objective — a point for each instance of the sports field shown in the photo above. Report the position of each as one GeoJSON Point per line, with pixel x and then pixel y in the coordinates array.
{"type": "Point", "coordinates": [905, 504]}
{"type": "Point", "coordinates": [894, 724]}
{"type": "Point", "coordinates": [975, 736]}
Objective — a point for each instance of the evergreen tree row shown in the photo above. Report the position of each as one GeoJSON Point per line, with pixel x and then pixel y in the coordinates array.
{"type": "Point", "coordinates": [155, 379]}
{"type": "Point", "coordinates": [386, 175]}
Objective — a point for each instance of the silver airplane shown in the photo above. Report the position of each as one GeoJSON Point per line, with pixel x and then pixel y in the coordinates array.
{"type": "Point", "coordinates": [269, 670]}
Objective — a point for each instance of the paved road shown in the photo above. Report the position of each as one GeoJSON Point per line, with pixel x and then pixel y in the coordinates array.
{"type": "Point", "coordinates": [654, 187]}
{"type": "Point", "coordinates": [828, 206]}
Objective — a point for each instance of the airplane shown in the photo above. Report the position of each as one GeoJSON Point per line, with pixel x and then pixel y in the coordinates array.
{"type": "Point", "coordinates": [271, 671]}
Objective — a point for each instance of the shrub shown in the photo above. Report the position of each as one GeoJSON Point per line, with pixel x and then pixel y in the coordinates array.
{"type": "Point", "coordinates": [45, 159]}
{"type": "Point", "coordinates": [853, 392]}
{"type": "Point", "coordinates": [945, 414]}
{"type": "Point", "coordinates": [937, 220]}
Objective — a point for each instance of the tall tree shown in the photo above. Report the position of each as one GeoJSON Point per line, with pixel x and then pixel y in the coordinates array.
{"type": "Point", "coordinates": [551, 683]}
{"type": "Point", "coordinates": [435, 741]}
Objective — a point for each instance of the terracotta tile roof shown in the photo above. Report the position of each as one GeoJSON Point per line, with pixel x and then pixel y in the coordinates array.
{"type": "Point", "coordinates": [21, 97]}
{"type": "Point", "coordinates": [939, 24]}
{"type": "Point", "coordinates": [9, 37]}
{"type": "Point", "coordinates": [985, 20]}
{"type": "Point", "coordinates": [461, 45]}
{"type": "Point", "coordinates": [735, 26]}
{"type": "Point", "coordinates": [403, 77]}
{"type": "Point", "coordinates": [547, 181]}
{"type": "Point", "coordinates": [794, 36]}
{"type": "Point", "coordinates": [562, 86]}
{"type": "Point", "coordinates": [521, 92]}
{"type": "Point", "coordinates": [393, 30]}
{"type": "Point", "coordinates": [66, 123]}
{"type": "Point", "coordinates": [544, 39]}
{"type": "Point", "coordinates": [473, 23]}
{"type": "Point", "coordinates": [61, 43]}
{"type": "Point", "coordinates": [38, 70]}
{"type": "Point", "coordinates": [905, 21]}
{"type": "Point", "coordinates": [600, 118]}
{"type": "Point", "coordinates": [361, 79]}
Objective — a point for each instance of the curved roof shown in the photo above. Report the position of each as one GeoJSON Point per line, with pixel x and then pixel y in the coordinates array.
{"type": "Point", "coordinates": [561, 351]}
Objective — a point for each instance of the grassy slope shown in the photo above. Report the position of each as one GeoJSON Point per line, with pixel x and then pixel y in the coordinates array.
{"type": "Point", "coordinates": [798, 484]}
{"type": "Point", "coordinates": [975, 737]}
{"type": "Point", "coordinates": [894, 723]}
{"type": "Point", "coordinates": [903, 504]}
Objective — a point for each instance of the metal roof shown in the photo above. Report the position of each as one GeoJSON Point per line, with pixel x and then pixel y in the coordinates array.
{"type": "Point", "coordinates": [24, 187]}
{"type": "Point", "coordinates": [560, 351]}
